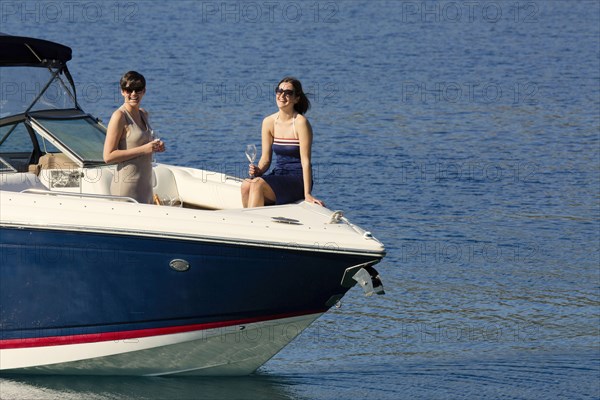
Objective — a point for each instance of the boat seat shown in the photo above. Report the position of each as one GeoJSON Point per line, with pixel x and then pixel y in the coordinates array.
{"type": "Point", "coordinates": [20, 181]}
{"type": "Point", "coordinates": [207, 190]}
{"type": "Point", "coordinates": [52, 161]}
{"type": "Point", "coordinates": [164, 186]}
{"type": "Point", "coordinates": [97, 180]}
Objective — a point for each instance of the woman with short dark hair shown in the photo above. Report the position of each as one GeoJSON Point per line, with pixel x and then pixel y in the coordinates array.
{"type": "Point", "coordinates": [129, 142]}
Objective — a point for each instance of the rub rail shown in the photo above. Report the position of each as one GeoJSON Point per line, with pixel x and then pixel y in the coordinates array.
{"type": "Point", "coordinates": [86, 195]}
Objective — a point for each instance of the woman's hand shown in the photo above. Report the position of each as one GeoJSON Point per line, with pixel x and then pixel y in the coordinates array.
{"type": "Point", "coordinates": [158, 146]}
{"type": "Point", "coordinates": [310, 199]}
{"type": "Point", "coordinates": [254, 170]}
{"type": "Point", "coordinates": [155, 146]}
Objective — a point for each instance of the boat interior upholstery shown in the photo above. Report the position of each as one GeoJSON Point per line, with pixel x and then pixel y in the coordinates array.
{"type": "Point", "coordinates": [52, 161]}
{"type": "Point", "coordinates": [173, 186]}
{"type": "Point", "coordinates": [21, 181]}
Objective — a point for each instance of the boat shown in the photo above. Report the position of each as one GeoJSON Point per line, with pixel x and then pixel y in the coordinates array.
{"type": "Point", "coordinates": [96, 284]}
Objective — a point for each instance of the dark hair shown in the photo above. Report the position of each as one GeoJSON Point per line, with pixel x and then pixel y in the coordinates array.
{"type": "Point", "coordinates": [303, 104]}
{"type": "Point", "coordinates": [133, 78]}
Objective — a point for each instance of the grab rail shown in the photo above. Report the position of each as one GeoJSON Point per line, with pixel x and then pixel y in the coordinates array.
{"type": "Point", "coordinates": [87, 195]}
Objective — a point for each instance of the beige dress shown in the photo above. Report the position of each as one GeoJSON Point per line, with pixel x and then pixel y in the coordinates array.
{"type": "Point", "coordinates": [134, 177]}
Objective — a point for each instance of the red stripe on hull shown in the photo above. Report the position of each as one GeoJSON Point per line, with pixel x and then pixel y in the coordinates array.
{"type": "Point", "coordinates": [134, 334]}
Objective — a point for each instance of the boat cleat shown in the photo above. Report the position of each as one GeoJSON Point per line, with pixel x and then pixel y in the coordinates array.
{"type": "Point", "coordinates": [336, 217]}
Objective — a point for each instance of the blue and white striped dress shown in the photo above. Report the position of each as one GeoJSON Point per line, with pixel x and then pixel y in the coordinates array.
{"type": "Point", "coordinates": [286, 177]}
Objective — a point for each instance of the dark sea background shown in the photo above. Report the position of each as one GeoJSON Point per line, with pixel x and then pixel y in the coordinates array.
{"type": "Point", "coordinates": [464, 135]}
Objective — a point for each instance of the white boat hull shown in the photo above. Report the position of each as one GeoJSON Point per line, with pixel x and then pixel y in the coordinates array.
{"type": "Point", "coordinates": [233, 350]}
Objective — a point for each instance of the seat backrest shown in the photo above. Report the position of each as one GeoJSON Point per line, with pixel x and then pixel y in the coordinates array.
{"type": "Point", "coordinates": [97, 180]}
{"type": "Point", "coordinates": [164, 185]}
{"type": "Point", "coordinates": [56, 161]}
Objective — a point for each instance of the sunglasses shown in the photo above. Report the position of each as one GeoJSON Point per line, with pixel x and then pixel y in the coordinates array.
{"type": "Point", "coordinates": [285, 92]}
{"type": "Point", "coordinates": [134, 88]}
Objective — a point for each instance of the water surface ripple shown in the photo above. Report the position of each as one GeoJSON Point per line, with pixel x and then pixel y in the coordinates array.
{"type": "Point", "coordinates": [464, 136]}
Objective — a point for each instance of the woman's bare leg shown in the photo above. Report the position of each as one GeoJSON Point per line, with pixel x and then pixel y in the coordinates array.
{"type": "Point", "coordinates": [246, 192]}
{"type": "Point", "coordinates": [260, 193]}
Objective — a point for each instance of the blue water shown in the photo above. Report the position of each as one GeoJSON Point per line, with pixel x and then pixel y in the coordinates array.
{"type": "Point", "coordinates": [464, 135]}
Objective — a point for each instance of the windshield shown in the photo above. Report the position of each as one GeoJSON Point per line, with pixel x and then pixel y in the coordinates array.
{"type": "Point", "coordinates": [83, 136]}
{"type": "Point", "coordinates": [20, 86]}
{"type": "Point", "coordinates": [16, 147]}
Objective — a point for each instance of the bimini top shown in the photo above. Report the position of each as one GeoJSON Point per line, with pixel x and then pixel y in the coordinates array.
{"type": "Point", "coordinates": [26, 51]}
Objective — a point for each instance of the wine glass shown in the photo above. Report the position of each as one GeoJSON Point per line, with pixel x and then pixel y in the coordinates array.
{"type": "Point", "coordinates": [251, 153]}
{"type": "Point", "coordinates": [154, 135]}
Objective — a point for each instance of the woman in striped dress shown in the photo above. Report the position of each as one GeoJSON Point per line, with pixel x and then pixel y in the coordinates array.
{"type": "Point", "coordinates": [289, 134]}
